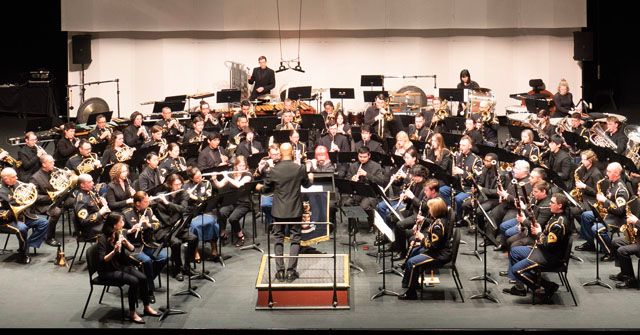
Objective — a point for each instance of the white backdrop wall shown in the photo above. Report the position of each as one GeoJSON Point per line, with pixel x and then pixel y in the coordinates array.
{"type": "Point", "coordinates": [502, 46]}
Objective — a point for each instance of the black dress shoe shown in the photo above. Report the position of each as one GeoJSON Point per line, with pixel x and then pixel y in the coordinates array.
{"type": "Point", "coordinates": [499, 247]}
{"type": "Point", "coordinates": [152, 299]}
{"type": "Point", "coordinates": [179, 276]}
{"type": "Point", "coordinates": [618, 277]}
{"type": "Point", "coordinates": [503, 273]}
{"type": "Point", "coordinates": [585, 247]}
{"type": "Point", "coordinates": [514, 290]}
{"type": "Point", "coordinates": [24, 259]}
{"type": "Point", "coordinates": [52, 242]}
{"type": "Point", "coordinates": [409, 295]}
{"type": "Point", "coordinates": [550, 289]}
{"type": "Point", "coordinates": [280, 275]}
{"type": "Point", "coordinates": [292, 275]}
{"type": "Point", "coordinates": [629, 283]}
{"type": "Point", "coordinates": [607, 258]}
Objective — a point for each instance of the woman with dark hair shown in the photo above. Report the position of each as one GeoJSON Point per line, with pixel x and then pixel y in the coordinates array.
{"type": "Point", "coordinates": [115, 264]}
{"type": "Point", "coordinates": [204, 226]}
{"type": "Point", "coordinates": [233, 213]}
{"type": "Point", "coordinates": [67, 146]}
{"type": "Point", "coordinates": [115, 144]}
{"type": "Point", "coordinates": [466, 82]}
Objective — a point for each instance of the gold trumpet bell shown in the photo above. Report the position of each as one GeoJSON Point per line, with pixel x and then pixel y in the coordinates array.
{"type": "Point", "coordinates": [61, 260]}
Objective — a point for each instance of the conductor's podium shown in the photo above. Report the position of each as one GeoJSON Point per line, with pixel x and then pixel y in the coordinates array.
{"type": "Point", "coordinates": [313, 290]}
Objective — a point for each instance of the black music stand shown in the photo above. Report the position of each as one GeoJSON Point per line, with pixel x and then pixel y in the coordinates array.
{"type": "Point", "coordinates": [597, 281]}
{"type": "Point", "coordinates": [38, 124]}
{"type": "Point", "coordinates": [104, 173]}
{"type": "Point", "coordinates": [175, 105]}
{"type": "Point", "coordinates": [342, 93]}
{"type": "Point", "coordinates": [343, 157]}
{"type": "Point", "coordinates": [299, 93]}
{"type": "Point", "coordinates": [91, 120]}
{"type": "Point", "coordinates": [175, 229]}
{"type": "Point", "coordinates": [451, 140]}
{"type": "Point", "coordinates": [227, 96]}
{"type": "Point", "coordinates": [485, 277]}
{"type": "Point", "coordinates": [354, 214]}
{"type": "Point", "coordinates": [139, 156]}
{"type": "Point", "coordinates": [370, 96]}
{"type": "Point", "coordinates": [226, 199]}
{"type": "Point", "coordinates": [190, 150]}
{"type": "Point", "coordinates": [388, 233]}
{"type": "Point", "coordinates": [382, 159]}
{"type": "Point", "coordinates": [456, 123]}
{"type": "Point", "coordinates": [250, 187]}
{"type": "Point", "coordinates": [312, 121]}
{"type": "Point", "coordinates": [575, 140]}
{"type": "Point", "coordinates": [607, 155]}
{"type": "Point", "coordinates": [503, 155]}
{"type": "Point", "coordinates": [200, 210]}
{"type": "Point", "coordinates": [451, 94]}
{"type": "Point", "coordinates": [263, 124]}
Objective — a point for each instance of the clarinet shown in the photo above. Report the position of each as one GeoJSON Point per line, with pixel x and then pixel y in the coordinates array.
{"type": "Point", "coordinates": [412, 244]}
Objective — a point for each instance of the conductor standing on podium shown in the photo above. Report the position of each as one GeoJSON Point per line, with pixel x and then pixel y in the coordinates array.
{"type": "Point", "coordinates": [284, 181]}
{"type": "Point", "coordinates": [263, 79]}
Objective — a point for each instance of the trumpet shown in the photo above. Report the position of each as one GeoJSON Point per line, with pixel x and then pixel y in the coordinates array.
{"type": "Point", "coordinates": [10, 160]}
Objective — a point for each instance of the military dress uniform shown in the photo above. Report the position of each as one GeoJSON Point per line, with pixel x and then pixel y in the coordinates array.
{"type": "Point", "coordinates": [624, 248]}
{"type": "Point", "coordinates": [151, 263]}
{"type": "Point", "coordinates": [88, 218]}
{"type": "Point", "coordinates": [471, 164]}
{"type": "Point", "coordinates": [530, 151]}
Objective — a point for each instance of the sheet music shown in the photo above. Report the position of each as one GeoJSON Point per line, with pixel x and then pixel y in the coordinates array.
{"type": "Point", "coordinates": [312, 189]}
{"type": "Point", "coordinates": [383, 228]}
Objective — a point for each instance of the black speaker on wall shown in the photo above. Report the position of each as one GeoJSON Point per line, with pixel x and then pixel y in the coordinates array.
{"type": "Point", "coordinates": [583, 45]}
{"type": "Point", "coordinates": [81, 49]}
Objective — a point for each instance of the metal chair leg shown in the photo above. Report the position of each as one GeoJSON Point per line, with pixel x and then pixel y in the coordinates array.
{"type": "Point", "coordinates": [87, 303]}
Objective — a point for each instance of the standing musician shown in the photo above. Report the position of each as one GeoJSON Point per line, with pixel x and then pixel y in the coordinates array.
{"type": "Point", "coordinates": [20, 225]}
{"type": "Point", "coordinates": [418, 131]}
{"type": "Point", "coordinates": [141, 223]}
{"type": "Point", "coordinates": [527, 147]}
{"type": "Point", "coordinates": [197, 133]}
{"type": "Point", "coordinates": [90, 209]}
{"type": "Point", "coordinates": [115, 265]}
{"type": "Point", "coordinates": [299, 148]}
{"type": "Point", "coordinates": [42, 207]}
{"type": "Point", "coordinates": [173, 162]}
{"type": "Point", "coordinates": [559, 160]}
{"type": "Point", "coordinates": [136, 133]}
{"type": "Point", "coordinates": [329, 110]}
{"type": "Point", "coordinates": [170, 126]}
{"type": "Point", "coordinates": [333, 140]}
{"type": "Point", "coordinates": [365, 170]}
{"type": "Point", "coordinates": [379, 113]}
{"type": "Point", "coordinates": [487, 181]}
{"type": "Point", "coordinates": [285, 180]}
{"type": "Point", "coordinates": [119, 190]}
{"type": "Point", "coordinates": [29, 154]}
{"type": "Point", "coordinates": [466, 165]}
{"type": "Point", "coordinates": [67, 146]}
{"type": "Point", "coordinates": [373, 145]}
{"type": "Point", "coordinates": [78, 162]}
{"type": "Point", "coordinates": [151, 176]}
{"type": "Point", "coordinates": [438, 153]}
{"type": "Point", "coordinates": [627, 245]}
{"type": "Point", "coordinates": [612, 195]}
{"type": "Point", "coordinates": [432, 250]}
{"type": "Point", "coordinates": [212, 155]}
{"type": "Point", "coordinates": [262, 78]}
{"type": "Point", "coordinates": [101, 133]}
{"type": "Point", "coordinates": [616, 135]}
{"type": "Point", "coordinates": [170, 210]}
{"type": "Point", "coordinates": [116, 144]}
{"type": "Point", "coordinates": [204, 226]}
{"type": "Point", "coordinates": [233, 182]}
{"type": "Point", "coordinates": [466, 82]}
{"type": "Point", "coordinates": [547, 252]}
{"type": "Point", "coordinates": [586, 176]}
{"type": "Point", "coordinates": [403, 144]}
{"type": "Point", "coordinates": [287, 121]}
{"type": "Point", "coordinates": [250, 146]}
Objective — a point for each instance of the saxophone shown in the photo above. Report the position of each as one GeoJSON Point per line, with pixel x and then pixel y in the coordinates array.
{"type": "Point", "coordinates": [628, 229]}
{"type": "Point", "coordinates": [599, 206]}
{"type": "Point", "coordinates": [576, 193]}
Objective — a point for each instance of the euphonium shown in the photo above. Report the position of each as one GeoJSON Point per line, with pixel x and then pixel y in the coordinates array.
{"type": "Point", "coordinates": [576, 193]}
{"type": "Point", "coordinates": [10, 160]}
{"type": "Point", "coordinates": [24, 195]}
{"type": "Point", "coordinates": [600, 138]}
{"type": "Point", "coordinates": [61, 180]}
{"type": "Point", "coordinates": [124, 153]}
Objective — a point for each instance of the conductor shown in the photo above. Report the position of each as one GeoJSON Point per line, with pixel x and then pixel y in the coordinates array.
{"type": "Point", "coordinates": [284, 181]}
{"type": "Point", "coordinates": [262, 78]}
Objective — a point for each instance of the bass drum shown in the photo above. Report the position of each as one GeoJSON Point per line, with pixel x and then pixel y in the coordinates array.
{"type": "Point", "coordinates": [419, 100]}
{"type": "Point", "coordinates": [482, 99]}
{"type": "Point", "coordinates": [91, 106]}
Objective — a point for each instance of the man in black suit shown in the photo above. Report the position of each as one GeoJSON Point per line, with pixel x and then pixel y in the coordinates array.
{"type": "Point", "coordinates": [213, 155]}
{"type": "Point", "coordinates": [285, 180]}
{"type": "Point", "coordinates": [43, 201]}
{"type": "Point", "coordinates": [263, 79]}
{"type": "Point", "coordinates": [559, 160]}
{"type": "Point", "coordinates": [29, 154]}
{"type": "Point", "coordinates": [373, 145]}
{"type": "Point", "coordinates": [335, 141]}
{"type": "Point", "coordinates": [249, 146]}
{"type": "Point", "coordinates": [150, 177]}
{"type": "Point", "coordinates": [365, 170]}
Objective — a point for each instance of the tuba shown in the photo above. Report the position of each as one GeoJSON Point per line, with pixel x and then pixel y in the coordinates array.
{"type": "Point", "coordinates": [124, 153]}
{"type": "Point", "coordinates": [24, 195]}
{"type": "Point", "coordinates": [62, 180]}
{"type": "Point", "coordinates": [10, 160]}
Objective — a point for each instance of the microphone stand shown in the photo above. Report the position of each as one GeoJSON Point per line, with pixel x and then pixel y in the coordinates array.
{"type": "Point", "coordinates": [165, 244]}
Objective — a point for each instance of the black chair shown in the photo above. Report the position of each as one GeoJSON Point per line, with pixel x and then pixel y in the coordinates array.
{"type": "Point", "coordinates": [5, 229]}
{"type": "Point", "coordinates": [92, 263]}
{"type": "Point", "coordinates": [561, 270]}
{"type": "Point", "coordinates": [80, 238]}
{"type": "Point", "coordinates": [455, 245]}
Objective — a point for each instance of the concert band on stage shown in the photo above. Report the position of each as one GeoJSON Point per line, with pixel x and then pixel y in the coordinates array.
{"type": "Point", "coordinates": [537, 188]}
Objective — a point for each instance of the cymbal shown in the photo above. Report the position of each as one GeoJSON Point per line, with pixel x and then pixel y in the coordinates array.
{"type": "Point", "coordinates": [267, 97]}
{"type": "Point", "coordinates": [407, 93]}
{"type": "Point", "coordinates": [201, 95]}
{"type": "Point", "coordinates": [631, 129]}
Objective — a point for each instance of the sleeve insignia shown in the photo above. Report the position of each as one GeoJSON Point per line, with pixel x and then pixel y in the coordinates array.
{"type": "Point", "coordinates": [82, 214]}
{"type": "Point", "coordinates": [620, 201]}
{"type": "Point", "coordinates": [434, 238]}
{"type": "Point", "coordinates": [552, 238]}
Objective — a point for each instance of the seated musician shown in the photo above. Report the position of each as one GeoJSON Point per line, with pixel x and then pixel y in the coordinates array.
{"type": "Point", "coordinates": [321, 162]}
{"type": "Point", "coordinates": [287, 107]}
{"type": "Point", "coordinates": [400, 180]}
{"type": "Point", "coordinates": [616, 134]}
{"type": "Point", "coordinates": [156, 140]}
{"type": "Point", "coordinates": [467, 165]}
{"type": "Point", "coordinates": [29, 154]}
{"type": "Point", "coordinates": [559, 159]}
{"type": "Point", "coordinates": [204, 226]}
{"type": "Point", "coordinates": [547, 252]}
{"type": "Point", "coordinates": [334, 141]}
{"type": "Point", "coordinates": [151, 176]}
{"type": "Point", "coordinates": [612, 195]}
{"type": "Point", "coordinates": [84, 161]}
{"type": "Point", "coordinates": [25, 220]}
{"type": "Point", "coordinates": [625, 246]}
{"type": "Point", "coordinates": [195, 134]}
{"type": "Point", "coordinates": [212, 122]}
{"type": "Point", "coordinates": [373, 145]}
{"type": "Point", "coordinates": [101, 133]}
{"type": "Point", "coordinates": [432, 249]}
{"type": "Point", "coordinates": [438, 153]}
{"type": "Point", "coordinates": [119, 190]}
{"type": "Point", "coordinates": [245, 109]}
{"type": "Point", "coordinates": [261, 172]}
{"type": "Point", "coordinates": [212, 155]}
{"type": "Point", "coordinates": [527, 147]}
{"type": "Point", "coordinates": [299, 148]}
{"type": "Point", "coordinates": [3, 159]}
{"type": "Point", "coordinates": [114, 151]}
{"type": "Point", "coordinates": [342, 127]}
{"type": "Point", "coordinates": [250, 146]}
{"type": "Point", "coordinates": [170, 210]}
{"type": "Point", "coordinates": [538, 209]}
{"type": "Point", "coordinates": [67, 146]}
{"type": "Point", "coordinates": [90, 209]}
{"type": "Point", "coordinates": [544, 125]}
{"type": "Point", "coordinates": [238, 127]}
{"type": "Point", "coordinates": [141, 224]}
{"type": "Point", "coordinates": [418, 131]}
{"type": "Point", "coordinates": [487, 195]}
{"type": "Point", "coordinates": [328, 110]}
{"type": "Point", "coordinates": [173, 162]}
{"type": "Point", "coordinates": [135, 134]}
{"type": "Point", "coordinates": [471, 131]}
{"type": "Point", "coordinates": [287, 121]}
{"type": "Point", "coordinates": [42, 206]}
{"type": "Point", "coordinates": [170, 126]}
{"type": "Point", "coordinates": [365, 170]}
{"type": "Point", "coordinates": [577, 126]}
{"type": "Point", "coordinates": [586, 175]}
{"type": "Point", "coordinates": [563, 99]}
{"type": "Point", "coordinates": [232, 214]}
{"type": "Point", "coordinates": [403, 144]}
{"type": "Point", "coordinates": [115, 264]}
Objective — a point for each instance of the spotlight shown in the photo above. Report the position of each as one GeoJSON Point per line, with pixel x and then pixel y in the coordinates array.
{"type": "Point", "coordinates": [298, 68]}
{"type": "Point", "coordinates": [282, 67]}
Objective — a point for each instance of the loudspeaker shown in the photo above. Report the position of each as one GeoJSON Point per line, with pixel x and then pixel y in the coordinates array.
{"type": "Point", "coordinates": [81, 49]}
{"type": "Point", "coordinates": [583, 45]}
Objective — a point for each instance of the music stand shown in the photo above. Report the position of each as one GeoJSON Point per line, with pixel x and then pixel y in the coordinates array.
{"type": "Point", "coordinates": [353, 214]}
{"type": "Point", "coordinates": [344, 157]}
{"type": "Point", "coordinates": [456, 123]}
{"type": "Point", "coordinates": [503, 155]}
{"type": "Point", "coordinates": [299, 93]}
{"type": "Point", "coordinates": [250, 187]}
{"type": "Point", "coordinates": [342, 93]}
{"type": "Point", "coordinates": [91, 120]}
{"type": "Point", "coordinates": [451, 140]}
{"type": "Point", "coordinates": [370, 96]}
{"type": "Point", "coordinates": [608, 155]}
{"type": "Point", "coordinates": [175, 105]}
{"type": "Point", "coordinates": [190, 150]}
{"type": "Point", "coordinates": [104, 174]}
{"type": "Point", "coordinates": [372, 80]}
{"type": "Point", "coordinates": [200, 210]}
{"type": "Point", "coordinates": [382, 159]}
{"type": "Point", "coordinates": [139, 156]}
{"type": "Point", "coordinates": [575, 140]}
{"type": "Point", "coordinates": [263, 124]}
{"type": "Point", "coordinates": [485, 277]}
{"type": "Point", "coordinates": [451, 94]}
{"type": "Point", "coordinates": [597, 281]}
{"type": "Point", "coordinates": [312, 121]}
{"type": "Point", "coordinates": [388, 233]}
{"type": "Point", "coordinates": [227, 96]}
{"type": "Point", "coordinates": [165, 244]}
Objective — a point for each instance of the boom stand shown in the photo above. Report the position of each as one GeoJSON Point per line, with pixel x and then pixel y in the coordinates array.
{"type": "Point", "coordinates": [383, 228]}
{"type": "Point", "coordinates": [597, 281]}
{"type": "Point", "coordinates": [165, 244]}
